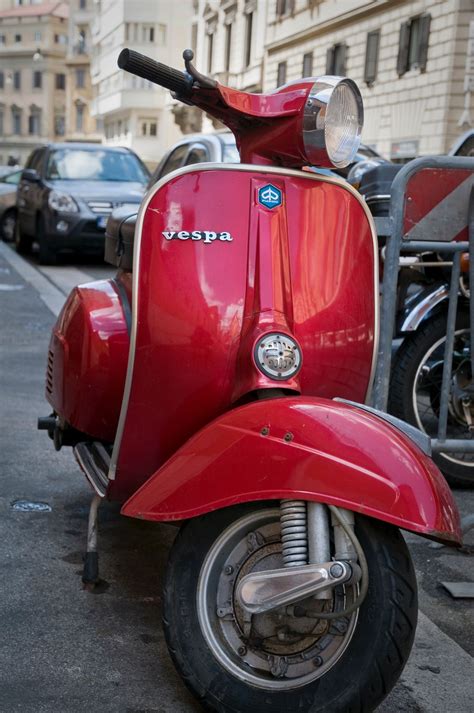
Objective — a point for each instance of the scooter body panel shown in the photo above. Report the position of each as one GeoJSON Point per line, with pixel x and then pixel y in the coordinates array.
{"type": "Point", "coordinates": [303, 448]}
{"type": "Point", "coordinates": [214, 270]}
{"type": "Point", "coordinates": [87, 359]}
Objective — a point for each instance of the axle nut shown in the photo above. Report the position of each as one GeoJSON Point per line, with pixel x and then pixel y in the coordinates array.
{"type": "Point", "coordinates": [336, 570]}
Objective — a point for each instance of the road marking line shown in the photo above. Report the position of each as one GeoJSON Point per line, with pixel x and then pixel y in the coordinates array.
{"type": "Point", "coordinates": [65, 278]}
{"type": "Point", "coordinates": [48, 293]}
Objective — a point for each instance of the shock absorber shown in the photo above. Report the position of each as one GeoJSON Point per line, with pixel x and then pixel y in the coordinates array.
{"type": "Point", "coordinates": [294, 532]}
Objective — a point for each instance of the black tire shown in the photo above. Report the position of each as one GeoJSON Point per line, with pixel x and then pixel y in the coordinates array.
{"type": "Point", "coordinates": [405, 368]}
{"type": "Point", "coordinates": [8, 225]}
{"type": "Point", "coordinates": [23, 242]}
{"type": "Point", "coordinates": [47, 255]}
{"type": "Point", "coordinates": [357, 682]}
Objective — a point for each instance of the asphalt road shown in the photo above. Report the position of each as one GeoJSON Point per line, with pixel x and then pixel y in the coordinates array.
{"type": "Point", "coordinates": [67, 650]}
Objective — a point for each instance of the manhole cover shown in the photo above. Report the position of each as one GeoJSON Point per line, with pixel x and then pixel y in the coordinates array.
{"type": "Point", "coordinates": [30, 506]}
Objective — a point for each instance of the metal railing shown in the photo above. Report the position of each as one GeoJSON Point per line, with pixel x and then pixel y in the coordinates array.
{"type": "Point", "coordinates": [398, 241]}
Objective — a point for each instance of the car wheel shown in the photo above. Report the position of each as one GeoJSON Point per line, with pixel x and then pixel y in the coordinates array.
{"type": "Point", "coordinates": [47, 255]}
{"type": "Point", "coordinates": [8, 225]}
{"type": "Point", "coordinates": [23, 242]}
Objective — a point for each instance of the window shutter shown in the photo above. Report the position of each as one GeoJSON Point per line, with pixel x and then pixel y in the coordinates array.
{"type": "Point", "coordinates": [281, 74]}
{"type": "Point", "coordinates": [280, 7]}
{"type": "Point", "coordinates": [425, 21]}
{"type": "Point", "coordinates": [291, 6]}
{"type": "Point", "coordinates": [308, 64]}
{"type": "Point", "coordinates": [330, 61]}
{"type": "Point", "coordinates": [341, 60]}
{"type": "Point", "coordinates": [372, 57]}
{"type": "Point", "coordinates": [404, 43]}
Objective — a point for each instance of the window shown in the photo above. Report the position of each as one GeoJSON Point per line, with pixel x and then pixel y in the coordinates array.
{"type": "Point", "coordinates": [228, 43]}
{"type": "Point", "coordinates": [281, 74]}
{"type": "Point", "coordinates": [2, 80]}
{"type": "Point", "coordinates": [194, 34]}
{"type": "Point", "coordinates": [17, 80]}
{"type": "Point", "coordinates": [174, 160]}
{"type": "Point", "coordinates": [37, 80]}
{"type": "Point", "coordinates": [81, 42]}
{"type": "Point", "coordinates": [34, 123]}
{"type": "Point", "coordinates": [60, 81]}
{"type": "Point", "coordinates": [248, 38]}
{"type": "Point", "coordinates": [79, 117]}
{"type": "Point", "coordinates": [80, 78]}
{"type": "Point", "coordinates": [371, 57]}
{"type": "Point", "coordinates": [3, 39]}
{"type": "Point", "coordinates": [60, 39]}
{"type": "Point", "coordinates": [37, 36]}
{"type": "Point", "coordinates": [308, 64]}
{"type": "Point", "coordinates": [198, 154]}
{"type": "Point", "coordinates": [148, 33]}
{"type": "Point", "coordinates": [413, 44]}
{"type": "Point", "coordinates": [283, 7]}
{"type": "Point", "coordinates": [82, 4]}
{"type": "Point", "coordinates": [59, 125]}
{"type": "Point", "coordinates": [336, 60]}
{"type": "Point", "coordinates": [149, 127]}
{"type": "Point", "coordinates": [2, 123]}
{"type": "Point", "coordinates": [16, 120]}
{"type": "Point", "coordinates": [17, 38]}
{"type": "Point", "coordinates": [210, 47]}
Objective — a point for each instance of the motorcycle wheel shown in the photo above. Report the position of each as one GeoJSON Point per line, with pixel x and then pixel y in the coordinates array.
{"type": "Point", "coordinates": [415, 387]}
{"type": "Point", "coordinates": [279, 661]}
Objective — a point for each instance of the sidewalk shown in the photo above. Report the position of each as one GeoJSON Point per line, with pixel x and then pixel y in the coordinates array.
{"type": "Point", "coordinates": [64, 650]}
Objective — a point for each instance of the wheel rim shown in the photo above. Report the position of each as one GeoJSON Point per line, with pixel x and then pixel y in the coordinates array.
{"type": "Point", "coordinates": [427, 380]}
{"type": "Point", "coordinates": [274, 651]}
{"type": "Point", "coordinates": [8, 227]}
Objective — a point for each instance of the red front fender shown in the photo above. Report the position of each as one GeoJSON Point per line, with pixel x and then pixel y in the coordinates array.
{"type": "Point", "coordinates": [303, 448]}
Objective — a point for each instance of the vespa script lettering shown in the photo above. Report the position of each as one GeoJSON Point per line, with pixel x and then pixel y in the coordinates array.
{"type": "Point", "coordinates": [207, 236]}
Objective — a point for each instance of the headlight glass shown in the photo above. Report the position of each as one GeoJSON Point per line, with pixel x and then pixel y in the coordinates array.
{"type": "Point", "coordinates": [332, 122]}
{"type": "Point", "coordinates": [62, 202]}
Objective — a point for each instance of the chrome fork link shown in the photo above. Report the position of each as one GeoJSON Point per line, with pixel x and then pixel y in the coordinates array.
{"type": "Point", "coordinates": [294, 532]}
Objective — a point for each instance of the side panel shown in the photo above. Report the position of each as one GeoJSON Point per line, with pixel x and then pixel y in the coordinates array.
{"type": "Point", "coordinates": [87, 359]}
{"type": "Point", "coordinates": [306, 267]}
{"type": "Point", "coordinates": [315, 450]}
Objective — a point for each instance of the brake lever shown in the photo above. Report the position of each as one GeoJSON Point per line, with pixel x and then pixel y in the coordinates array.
{"type": "Point", "coordinates": [200, 79]}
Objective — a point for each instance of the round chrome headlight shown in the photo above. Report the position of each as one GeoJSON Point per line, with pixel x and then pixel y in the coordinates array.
{"type": "Point", "coordinates": [332, 122]}
{"type": "Point", "coordinates": [278, 356]}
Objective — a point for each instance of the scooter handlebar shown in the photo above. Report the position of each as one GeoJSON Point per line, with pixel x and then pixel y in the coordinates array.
{"type": "Point", "coordinates": [156, 72]}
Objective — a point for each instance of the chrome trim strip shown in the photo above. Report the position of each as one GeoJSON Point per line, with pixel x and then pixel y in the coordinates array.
{"type": "Point", "coordinates": [96, 479]}
{"type": "Point", "coordinates": [421, 310]}
{"type": "Point", "coordinates": [272, 170]}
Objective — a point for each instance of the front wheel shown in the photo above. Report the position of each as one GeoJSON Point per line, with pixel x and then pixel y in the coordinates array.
{"type": "Point", "coordinates": [287, 659]}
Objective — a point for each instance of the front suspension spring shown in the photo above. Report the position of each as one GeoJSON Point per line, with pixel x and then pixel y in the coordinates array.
{"type": "Point", "coordinates": [294, 532]}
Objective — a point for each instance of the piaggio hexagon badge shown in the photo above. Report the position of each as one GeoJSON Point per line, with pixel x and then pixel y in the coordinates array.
{"type": "Point", "coordinates": [270, 196]}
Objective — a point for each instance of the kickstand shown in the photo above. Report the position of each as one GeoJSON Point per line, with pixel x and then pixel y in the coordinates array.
{"type": "Point", "coordinates": [90, 575]}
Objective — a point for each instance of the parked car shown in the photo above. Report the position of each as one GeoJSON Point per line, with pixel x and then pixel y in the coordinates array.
{"type": "Point", "coordinates": [220, 147]}
{"type": "Point", "coordinates": [66, 193]}
{"type": "Point", "coordinates": [464, 145]}
{"type": "Point", "coordinates": [198, 148]}
{"type": "Point", "coordinates": [8, 190]}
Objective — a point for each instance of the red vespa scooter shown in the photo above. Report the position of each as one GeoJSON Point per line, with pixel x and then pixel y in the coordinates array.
{"type": "Point", "coordinates": [220, 384]}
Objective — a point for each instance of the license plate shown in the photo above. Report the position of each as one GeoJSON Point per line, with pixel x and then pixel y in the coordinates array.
{"type": "Point", "coordinates": [102, 221]}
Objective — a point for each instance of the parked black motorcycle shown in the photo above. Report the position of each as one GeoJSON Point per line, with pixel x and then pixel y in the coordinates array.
{"type": "Point", "coordinates": [420, 335]}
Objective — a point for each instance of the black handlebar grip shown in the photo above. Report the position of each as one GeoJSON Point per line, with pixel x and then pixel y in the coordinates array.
{"type": "Point", "coordinates": [156, 72]}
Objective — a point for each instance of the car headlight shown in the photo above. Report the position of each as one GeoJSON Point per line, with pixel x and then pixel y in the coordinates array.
{"type": "Point", "coordinates": [332, 122]}
{"type": "Point", "coordinates": [62, 202]}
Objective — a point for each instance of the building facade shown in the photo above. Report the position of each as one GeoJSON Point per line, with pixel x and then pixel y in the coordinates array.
{"type": "Point", "coordinates": [80, 124]}
{"type": "Point", "coordinates": [135, 112]}
{"type": "Point", "coordinates": [413, 60]}
{"type": "Point", "coordinates": [33, 40]}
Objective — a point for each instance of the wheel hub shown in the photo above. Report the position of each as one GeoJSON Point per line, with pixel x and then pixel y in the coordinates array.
{"type": "Point", "coordinates": [283, 648]}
